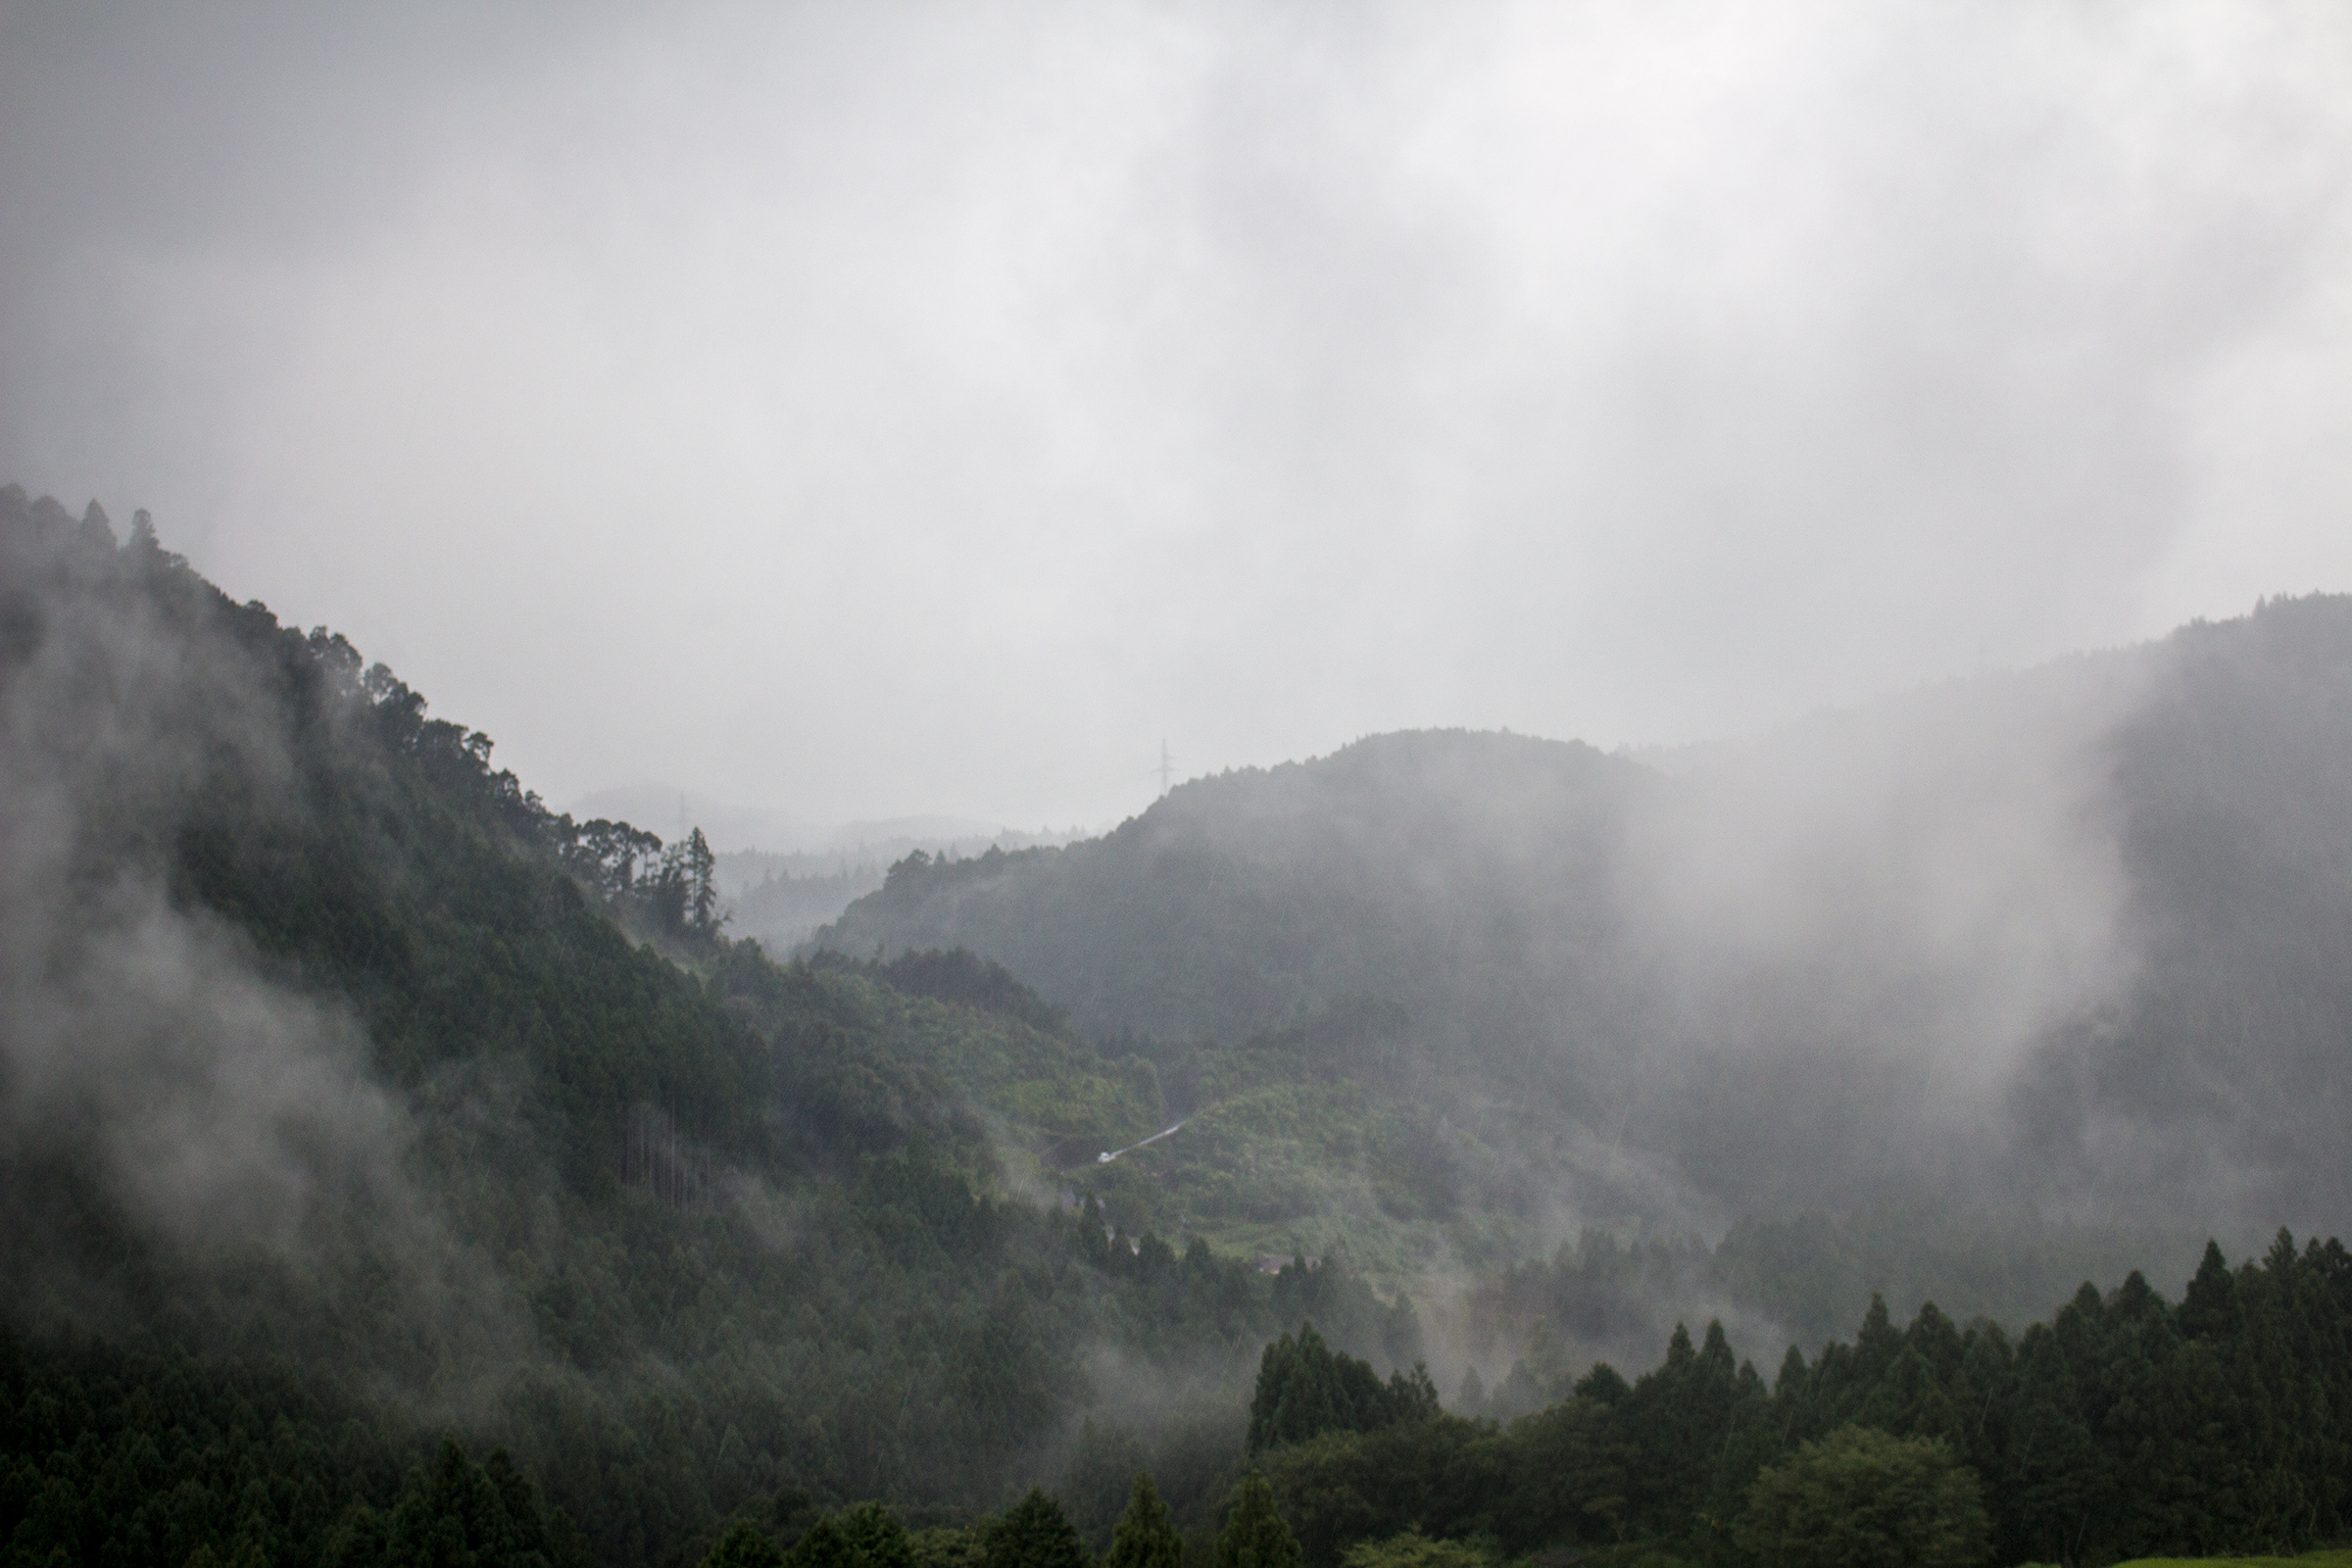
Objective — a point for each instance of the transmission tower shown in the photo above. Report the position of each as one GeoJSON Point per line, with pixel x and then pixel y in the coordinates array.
{"type": "Point", "coordinates": [1167, 768]}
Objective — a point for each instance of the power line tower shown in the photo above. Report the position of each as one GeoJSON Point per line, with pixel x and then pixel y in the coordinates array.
{"type": "Point", "coordinates": [1167, 770]}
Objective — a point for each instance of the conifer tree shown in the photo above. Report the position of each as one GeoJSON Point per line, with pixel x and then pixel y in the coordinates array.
{"type": "Point", "coordinates": [743, 1546]}
{"type": "Point", "coordinates": [1255, 1535]}
{"type": "Point", "coordinates": [877, 1535]}
{"type": "Point", "coordinates": [1147, 1536]}
{"type": "Point", "coordinates": [1036, 1533]}
{"type": "Point", "coordinates": [825, 1547]}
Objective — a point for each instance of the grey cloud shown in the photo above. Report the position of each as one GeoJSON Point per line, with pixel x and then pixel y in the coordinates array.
{"type": "Point", "coordinates": [912, 410]}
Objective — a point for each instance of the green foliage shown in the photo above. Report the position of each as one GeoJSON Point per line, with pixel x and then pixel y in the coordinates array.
{"type": "Point", "coordinates": [1487, 886]}
{"type": "Point", "coordinates": [1305, 1388]}
{"type": "Point", "coordinates": [1860, 1499]}
{"type": "Point", "coordinates": [825, 1546]}
{"type": "Point", "coordinates": [745, 1546]}
{"type": "Point", "coordinates": [1809, 1273]}
{"type": "Point", "coordinates": [742, 1245]}
{"type": "Point", "coordinates": [731, 1227]}
{"type": "Point", "coordinates": [1254, 1536]}
{"type": "Point", "coordinates": [1097, 1486]}
{"type": "Point", "coordinates": [960, 977]}
{"type": "Point", "coordinates": [462, 1515]}
{"type": "Point", "coordinates": [876, 1534]}
{"type": "Point", "coordinates": [1035, 1534]}
{"type": "Point", "coordinates": [2108, 1431]}
{"type": "Point", "coordinates": [1146, 1537]}
{"type": "Point", "coordinates": [1413, 1549]}
{"type": "Point", "coordinates": [948, 1546]}
{"type": "Point", "coordinates": [1447, 1477]}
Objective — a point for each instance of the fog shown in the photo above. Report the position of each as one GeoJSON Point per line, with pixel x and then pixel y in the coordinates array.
{"type": "Point", "coordinates": [161, 1085]}
{"type": "Point", "coordinates": [864, 412]}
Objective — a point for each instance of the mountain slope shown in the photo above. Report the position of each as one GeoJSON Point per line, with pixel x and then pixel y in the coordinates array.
{"type": "Point", "coordinates": [338, 1097]}
{"type": "Point", "coordinates": [1443, 863]}
{"type": "Point", "coordinates": [2073, 936]}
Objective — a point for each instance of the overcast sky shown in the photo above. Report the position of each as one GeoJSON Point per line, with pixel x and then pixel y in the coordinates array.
{"type": "Point", "coordinates": [864, 409]}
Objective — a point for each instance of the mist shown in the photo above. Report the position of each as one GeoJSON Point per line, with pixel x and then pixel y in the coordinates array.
{"type": "Point", "coordinates": [161, 1086]}
{"type": "Point", "coordinates": [910, 412]}
{"type": "Point", "coordinates": [1637, 535]}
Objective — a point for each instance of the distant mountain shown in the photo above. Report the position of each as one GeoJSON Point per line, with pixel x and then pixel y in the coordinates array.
{"type": "Point", "coordinates": [1242, 903]}
{"type": "Point", "coordinates": [669, 811]}
{"type": "Point", "coordinates": [349, 1098]}
{"type": "Point", "coordinates": [2080, 935]}
{"type": "Point", "coordinates": [352, 1101]}
{"type": "Point", "coordinates": [735, 828]}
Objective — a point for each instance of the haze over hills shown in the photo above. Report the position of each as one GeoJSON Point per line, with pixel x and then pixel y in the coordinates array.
{"type": "Point", "coordinates": [735, 829]}
{"type": "Point", "coordinates": [2079, 936]}
{"type": "Point", "coordinates": [782, 875]}
{"type": "Point", "coordinates": [364, 1097]}
{"type": "Point", "coordinates": [830, 446]}
{"type": "Point", "coordinates": [356, 1101]}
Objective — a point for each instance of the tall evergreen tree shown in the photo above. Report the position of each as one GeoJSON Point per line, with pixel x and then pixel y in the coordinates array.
{"type": "Point", "coordinates": [876, 1534]}
{"type": "Point", "coordinates": [745, 1546]}
{"type": "Point", "coordinates": [1146, 1537]}
{"type": "Point", "coordinates": [825, 1547]}
{"type": "Point", "coordinates": [1036, 1533]}
{"type": "Point", "coordinates": [1255, 1535]}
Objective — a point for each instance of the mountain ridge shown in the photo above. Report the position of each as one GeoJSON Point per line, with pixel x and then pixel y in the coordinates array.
{"type": "Point", "coordinates": [1964, 898]}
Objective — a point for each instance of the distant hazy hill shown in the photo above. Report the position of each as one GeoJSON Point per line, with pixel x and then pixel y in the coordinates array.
{"type": "Point", "coordinates": [1430, 862]}
{"type": "Point", "coordinates": [2078, 933]}
{"type": "Point", "coordinates": [341, 1107]}
{"type": "Point", "coordinates": [349, 1096]}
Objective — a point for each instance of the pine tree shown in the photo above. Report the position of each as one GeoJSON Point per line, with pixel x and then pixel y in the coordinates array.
{"type": "Point", "coordinates": [876, 1534]}
{"type": "Point", "coordinates": [1147, 1536]}
{"type": "Point", "coordinates": [825, 1547]}
{"type": "Point", "coordinates": [1256, 1537]}
{"type": "Point", "coordinates": [702, 886]}
{"type": "Point", "coordinates": [2208, 1309]}
{"type": "Point", "coordinates": [1036, 1533]}
{"type": "Point", "coordinates": [743, 1546]}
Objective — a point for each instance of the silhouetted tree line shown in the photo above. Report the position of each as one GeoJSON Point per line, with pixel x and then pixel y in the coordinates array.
{"type": "Point", "coordinates": [2125, 1427]}
{"type": "Point", "coordinates": [1305, 1388]}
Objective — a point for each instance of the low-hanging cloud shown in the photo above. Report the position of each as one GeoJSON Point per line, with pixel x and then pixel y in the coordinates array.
{"type": "Point", "coordinates": [1055, 380]}
{"type": "Point", "coordinates": [216, 1113]}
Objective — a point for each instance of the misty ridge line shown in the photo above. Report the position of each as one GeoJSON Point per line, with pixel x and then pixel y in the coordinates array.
{"type": "Point", "coordinates": [2026, 411]}
{"type": "Point", "coordinates": [2076, 900]}
{"type": "Point", "coordinates": [237, 758]}
{"type": "Point", "coordinates": [915, 406]}
{"type": "Point", "coordinates": [1958, 914]}
{"type": "Point", "coordinates": [221, 1102]}
{"type": "Point", "coordinates": [710, 1144]}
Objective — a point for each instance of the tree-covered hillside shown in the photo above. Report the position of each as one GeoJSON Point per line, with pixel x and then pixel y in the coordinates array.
{"type": "Point", "coordinates": [352, 1097]}
{"type": "Point", "coordinates": [1439, 864]}
{"type": "Point", "coordinates": [2076, 936]}
{"type": "Point", "coordinates": [393, 1170]}
{"type": "Point", "coordinates": [2126, 1426]}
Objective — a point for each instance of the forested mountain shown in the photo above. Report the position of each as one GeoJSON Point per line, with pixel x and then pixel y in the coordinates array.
{"type": "Point", "coordinates": [393, 1170]}
{"type": "Point", "coordinates": [2077, 936]}
{"type": "Point", "coordinates": [352, 1097]}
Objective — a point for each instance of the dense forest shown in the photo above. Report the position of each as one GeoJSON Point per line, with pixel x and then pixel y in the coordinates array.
{"type": "Point", "coordinates": [482, 1127]}
{"type": "Point", "coordinates": [2077, 936]}
{"type": "Point", "coordinates": [2125, 1427]}
{"type": "Point", "coordinates": [396, 1170]}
